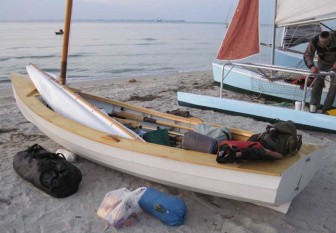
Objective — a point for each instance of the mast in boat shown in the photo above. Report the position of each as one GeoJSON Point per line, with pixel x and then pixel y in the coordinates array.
{"type": "Point", "coordinates": [66, 36]}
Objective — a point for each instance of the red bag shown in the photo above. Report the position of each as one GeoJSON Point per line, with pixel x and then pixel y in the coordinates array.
{"type": "Point", "coordinates": [240, 145]}
{"type": "Point", "coordinates": [249, 150]}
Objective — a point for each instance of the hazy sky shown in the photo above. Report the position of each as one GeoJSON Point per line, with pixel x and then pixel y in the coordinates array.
{"type": "Point", "coordinates": [189, 10]}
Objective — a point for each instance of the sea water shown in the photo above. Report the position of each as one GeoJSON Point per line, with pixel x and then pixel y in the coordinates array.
{"type": "Point", "coordinates": [109, 49]}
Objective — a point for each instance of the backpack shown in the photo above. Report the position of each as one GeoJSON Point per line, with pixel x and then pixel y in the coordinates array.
{"type": "Point", "coordinates": [280, 137]}
{"type": "Point", "coordinates": [47, 171]}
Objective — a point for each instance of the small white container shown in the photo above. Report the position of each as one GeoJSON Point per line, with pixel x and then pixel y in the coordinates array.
{"type": "Point", "coordinates": [69, 156]}
{"type": "Point", "coordinates": [298, 105]}
{"type": "Point", "coordinates": [312, 108]}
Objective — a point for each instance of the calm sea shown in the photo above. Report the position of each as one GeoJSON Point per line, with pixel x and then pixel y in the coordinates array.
{"type": "Point", "coordinates": [111, 49]}
{"type": "Point", "coordinates": [105, 50]}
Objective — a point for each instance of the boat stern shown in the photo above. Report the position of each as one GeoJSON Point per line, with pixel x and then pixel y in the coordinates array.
{"type": "Point", "coordinates": [297, 177]}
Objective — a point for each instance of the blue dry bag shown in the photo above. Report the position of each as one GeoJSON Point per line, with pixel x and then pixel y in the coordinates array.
{"type": "Point", "coordinates": [170, 210]}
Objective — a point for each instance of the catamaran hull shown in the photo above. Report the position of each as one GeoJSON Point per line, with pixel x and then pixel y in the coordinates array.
{"type": "Point", "coordinates": [153, 162]}
{"type": "Point", "coordinates": [250, 81]}
{"type": "Point", "coordinates": [259, 111]}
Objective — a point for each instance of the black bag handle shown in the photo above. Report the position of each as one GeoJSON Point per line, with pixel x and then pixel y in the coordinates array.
{"type": "Point", "coordinates": [35, 148]}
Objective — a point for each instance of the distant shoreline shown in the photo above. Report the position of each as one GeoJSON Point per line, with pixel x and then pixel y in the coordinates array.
{"type": "Point", "coordinates": [112, 21]}
{"type": "Point", "coordinates": [119, 21]}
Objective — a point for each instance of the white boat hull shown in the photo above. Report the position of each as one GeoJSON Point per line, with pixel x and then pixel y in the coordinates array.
{"type": "Point", "coordinates": [259, 111]}
{"type": "Point", "coordinates": [180, 168]}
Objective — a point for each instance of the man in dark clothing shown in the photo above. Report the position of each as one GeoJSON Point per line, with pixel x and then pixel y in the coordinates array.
{"type": "Point", "coordinates": [324, 45]}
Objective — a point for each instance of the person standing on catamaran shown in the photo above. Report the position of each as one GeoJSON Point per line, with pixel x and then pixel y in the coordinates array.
{"type": "Point", "coordinates": [324, 45]}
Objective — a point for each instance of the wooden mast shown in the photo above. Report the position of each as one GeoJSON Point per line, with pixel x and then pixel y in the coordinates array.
{"type": "Point", "coordinates": [66, 36]}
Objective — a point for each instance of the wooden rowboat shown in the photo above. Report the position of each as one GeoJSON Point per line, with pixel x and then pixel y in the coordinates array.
{"type": "Point", "coordinates": [271, 184]}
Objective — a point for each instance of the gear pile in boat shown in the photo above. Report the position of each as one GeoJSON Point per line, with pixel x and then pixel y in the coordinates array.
{"type": "Point", "coordinates": [278, 140]}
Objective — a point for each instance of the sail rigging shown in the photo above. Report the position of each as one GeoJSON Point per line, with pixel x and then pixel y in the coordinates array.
{"type": "Point", "coordinates": [295, 35]}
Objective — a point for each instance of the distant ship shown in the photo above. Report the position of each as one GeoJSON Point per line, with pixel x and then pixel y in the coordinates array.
{"type": "Point", "coordinates": [60, 32]}
{"type": "Point", "coordinates": [158, 20]}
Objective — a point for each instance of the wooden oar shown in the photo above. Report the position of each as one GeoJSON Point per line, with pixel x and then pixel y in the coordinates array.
{"type": "Point", "coordinates": [136, 124]}
{"type": "Point", "coordinates": [150, 120]}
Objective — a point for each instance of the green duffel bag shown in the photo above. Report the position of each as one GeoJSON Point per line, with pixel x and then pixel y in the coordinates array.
{"type": "Point", "coordinates": [158, 136]}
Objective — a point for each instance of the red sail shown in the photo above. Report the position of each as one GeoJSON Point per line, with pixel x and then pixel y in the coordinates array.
{"type": "Point", "coordinates": [242, 38]}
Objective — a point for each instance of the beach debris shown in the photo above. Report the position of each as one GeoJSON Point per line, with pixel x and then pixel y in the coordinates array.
{"type": "Point", "coordinates": [204, 86]}
{"type": "Point", "coordinates": [149, 97]}
{"type": "Point", "coordinates": [6, 201]}
{"type": "Point", "coordinates": [179, 112]}
{"type": "Point", "coordinates": [22, 137]}
{"type": "Point", "coordinates": [9, 130]}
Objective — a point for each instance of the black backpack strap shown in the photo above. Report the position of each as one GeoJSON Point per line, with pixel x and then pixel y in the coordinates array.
{"type": "Point", "coordinates": [227, 154]}
{"type": "Point", "coordinates": [35, 148]}
{"type": "Point", "coordinates": [298, 141]}
{"type": "Point", "coordinates": [272, 130]}
{"type": "Point", "coordinates": [226, 134]}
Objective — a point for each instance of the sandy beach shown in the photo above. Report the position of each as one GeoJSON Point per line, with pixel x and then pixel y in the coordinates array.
{"type": "Point", "coordinates": [27, 209]}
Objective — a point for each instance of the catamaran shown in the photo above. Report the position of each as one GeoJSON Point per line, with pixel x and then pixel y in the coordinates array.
{"type": "Point", "coordinates": [241, 41]}
{"type": "Point", "coordinates": [299, 21]}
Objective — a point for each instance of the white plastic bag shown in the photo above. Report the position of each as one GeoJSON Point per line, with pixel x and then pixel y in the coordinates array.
{"type": "Point", "coordinates": [120, 205]}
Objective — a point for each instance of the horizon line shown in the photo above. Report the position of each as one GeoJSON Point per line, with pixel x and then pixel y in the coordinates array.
{"type": "Point", "coordinates": [115, 20]}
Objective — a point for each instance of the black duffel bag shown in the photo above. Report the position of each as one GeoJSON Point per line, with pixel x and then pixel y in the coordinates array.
{"type": "Point", "coordinates": [47, 171]}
